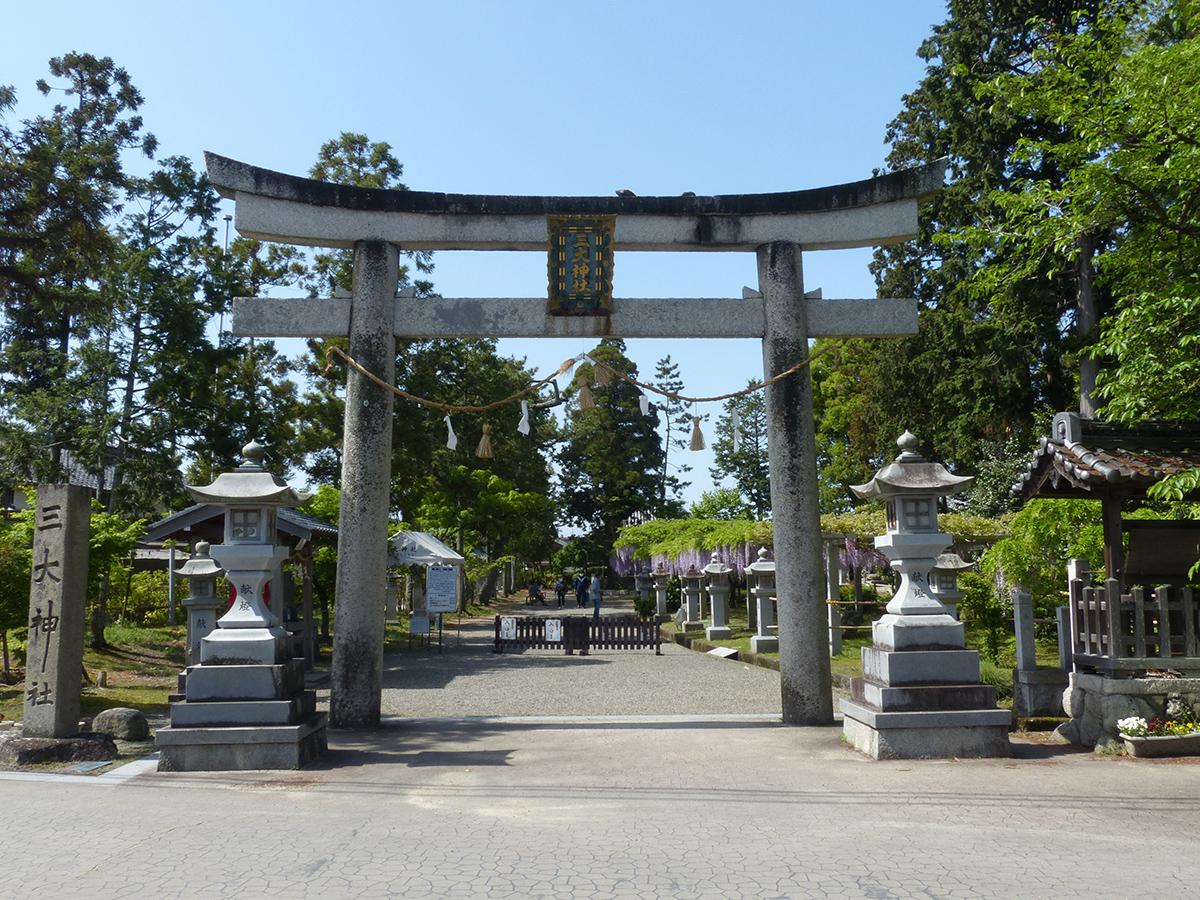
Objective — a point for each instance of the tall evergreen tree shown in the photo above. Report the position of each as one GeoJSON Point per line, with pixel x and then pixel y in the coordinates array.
{"type": "Point", "coordinates": [985, 365]}
{"type": "Point", "coordinates": [609, 463]}
{"type": "Point", "coordinates": [748, 465]}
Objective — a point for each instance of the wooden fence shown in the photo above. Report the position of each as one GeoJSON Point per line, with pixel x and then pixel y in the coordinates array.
{"type": "Point", "coordinates": [571, 633]}
{"type": "Point", "coordinates": [1143, 629]}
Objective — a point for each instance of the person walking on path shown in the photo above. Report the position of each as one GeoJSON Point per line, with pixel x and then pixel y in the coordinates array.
{"type": "Point", "coordinates": [560, 591]}
{"type": "Point", "coordinates": [581, 589]}
{"type": "Point", "coordinates": [597, 595]}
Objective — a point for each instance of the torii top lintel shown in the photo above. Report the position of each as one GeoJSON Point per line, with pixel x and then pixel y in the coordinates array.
{"type": "Point", "coordinates": [286, 209]}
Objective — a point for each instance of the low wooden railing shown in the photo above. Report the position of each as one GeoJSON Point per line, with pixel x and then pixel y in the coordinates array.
{"type": "Point", "coordinates": [571, 633]}
{"type": "Point", "coordinates": [1143, 629]}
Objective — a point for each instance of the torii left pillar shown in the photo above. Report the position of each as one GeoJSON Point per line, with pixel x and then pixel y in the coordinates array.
{"type": "Point", "coordinates": [357, 673]}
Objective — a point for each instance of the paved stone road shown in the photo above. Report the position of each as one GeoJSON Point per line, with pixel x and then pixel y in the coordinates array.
{"type": "Point", "coordinates": [639, 806]}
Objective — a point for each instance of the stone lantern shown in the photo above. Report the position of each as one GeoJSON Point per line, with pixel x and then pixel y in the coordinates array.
{"type": "Point", "coordinates": [202, 602]}
{"type": "Point", "coordinates": [693, 584]}
{"type": "Point", "coordinates": [642, 584]}
{"type": "Point", "coordinates": [718, 597]}
{"type": "Point", "coordinates": [245, 705]}
{"type": "Point", "coordinates": [661, 577]}
{"type": "Point", "coordinates": [943, 578]}
{"type": "Point", "coordinates": [920, 695]}
{"type": "Point", "coordinates": [760, 582]}
{"type": "Point", "coordinates": [250, 633]}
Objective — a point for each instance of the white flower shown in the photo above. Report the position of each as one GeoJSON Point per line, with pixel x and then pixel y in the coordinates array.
{"type": "Point", "coordinates": [1134, 726]}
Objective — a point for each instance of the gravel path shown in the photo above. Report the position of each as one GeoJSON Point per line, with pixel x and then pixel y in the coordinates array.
{"type": "Point", "coordinates": [468, 679]}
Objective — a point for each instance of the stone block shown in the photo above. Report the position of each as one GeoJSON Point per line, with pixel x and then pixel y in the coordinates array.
{"type": "Point", "coordinates": [911, 633]}
{"type": "Point", "coordinates": [1038, 692]}
{"type": "Point", "coordinates": [718, 632]}
{"type": "Point", "coordinates": [32, 751]}
{"type": "Point", "coordinates": [895, 668]}
{"type": "Point", "coordinates": [764, 644]}
{"type": "Point", "coordinates": [245, 647]}
{"type": "Point", "coordinates": [927, 735]}
{"type": "Point", "coordinates": [918, 698]}
{"type": "Point", "coordinates": [241, 748]}
{"type": "Point", "coordinates": [245, 712]}
{"type": "Point", "coordinates": [277, 682]}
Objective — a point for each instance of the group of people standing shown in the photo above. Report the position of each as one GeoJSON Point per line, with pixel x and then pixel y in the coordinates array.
{"type": "Point", "coordinates": [585, 590]}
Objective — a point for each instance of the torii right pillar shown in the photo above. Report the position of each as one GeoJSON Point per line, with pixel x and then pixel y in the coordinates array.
{"type": "Point", "coordinates": [805, 679]}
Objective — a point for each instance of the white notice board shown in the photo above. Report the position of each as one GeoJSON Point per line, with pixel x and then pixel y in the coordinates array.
{"type": "Point", "coordinates": [553, 631]}
{"type": "Point", "coordinates": [441, 588]}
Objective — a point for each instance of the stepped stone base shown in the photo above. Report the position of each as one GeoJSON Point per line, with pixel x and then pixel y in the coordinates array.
{"type": "Point", "coordinates": [236, 717]}
{"type": "Point", "coordinates": [924, 704]}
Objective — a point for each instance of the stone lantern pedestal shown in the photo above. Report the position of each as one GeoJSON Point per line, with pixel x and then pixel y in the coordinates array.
{"type": "Point", "coordinates": [245, 706]}
{"type": "Point", "coordinates": [660, 576]}
{"type": "Point", "coordinates": [692, 585]}
{"type": "Point", "coordinates": [760, 581]}
{"type": "Point", "coordinates": [718, 599]}
{"type": "Point", "coordinates": [642, 584]}
{"type": "Point", "coordinates": [920, 696]}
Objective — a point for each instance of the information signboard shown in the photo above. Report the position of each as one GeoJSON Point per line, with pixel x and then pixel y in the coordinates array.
{"type": "Point", "coordinates": [441, 589]}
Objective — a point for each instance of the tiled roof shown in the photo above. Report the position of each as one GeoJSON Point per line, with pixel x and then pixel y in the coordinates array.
{"type": "Point", "coordinates": [1088, 458]}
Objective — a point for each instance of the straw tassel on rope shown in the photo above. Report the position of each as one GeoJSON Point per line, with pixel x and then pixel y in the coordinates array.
{"type": "Point", "coordinates": [697, 437]}
{"type": "Point", "coordinates": [485, 444]}
{"type": "Point", "coordinates": [586, 400]}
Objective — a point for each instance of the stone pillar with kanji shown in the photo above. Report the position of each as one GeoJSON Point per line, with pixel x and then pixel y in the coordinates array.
{"type": "Point", "coordinates": [57, 599]}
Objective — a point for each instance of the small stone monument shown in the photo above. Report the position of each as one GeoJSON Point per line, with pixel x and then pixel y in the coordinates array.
{"type": "Point", "coordinates": [245, 706]}
{"type": "Point", "coordinates": [57, 591]}
{"type": "Point", "coordinates": [642, 584]}
{"type": "Point", "coordinates": [692, 585]}
{"type": "Point", "coordinates": [920, 696]}
{"type": "Point", "coordinates": [202, 602]}
{"type": "Point", "coordinates": [760, 582]}
{"type": "Point", "coordinates": [661, 577]}
{"type": "Point", "coordinates": [718, 598]}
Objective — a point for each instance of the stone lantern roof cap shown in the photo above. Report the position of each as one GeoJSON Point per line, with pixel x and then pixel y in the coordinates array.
{"type": "Point", "coordinates": [952, 562]}
{"type": "Point", "coordinates": [716, 567]}
{"type": "Point", "coordinates": [200, 563]}
{"type": "Point", "coordinates": [250, 483]}
{"type": "Point", "coordinates": [762, 564]}
{"type": "Point", "coordinates": [910, 474]}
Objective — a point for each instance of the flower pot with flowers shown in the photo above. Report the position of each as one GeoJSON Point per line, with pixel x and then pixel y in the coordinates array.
{"type": "Point", "coordinates": [1160, 737]}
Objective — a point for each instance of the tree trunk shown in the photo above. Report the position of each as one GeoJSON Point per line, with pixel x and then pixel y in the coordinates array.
{"type": "Point", "coordinates": [1087, 316]}
{"type": "Point", "coordinates": [4, 644]}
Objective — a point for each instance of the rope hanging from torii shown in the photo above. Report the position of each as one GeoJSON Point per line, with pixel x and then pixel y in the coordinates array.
{"type": "Point", "coordinates": [604, 374]}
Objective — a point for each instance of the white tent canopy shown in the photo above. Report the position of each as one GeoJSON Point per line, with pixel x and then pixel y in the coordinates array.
{"type": "Point", "coordinates": [419, 548]}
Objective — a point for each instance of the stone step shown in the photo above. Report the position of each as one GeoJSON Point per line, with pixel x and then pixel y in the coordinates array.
{"type": "Point", "coordinates": [895, 668]}
{"type": "Point", "coordinates": [241, 748]}
{"type": "Point", "coordinates": [218, 713]}
{"type": "Point", "coordinates": [922, 697]}
{"type": "Point", "coordinates": [277, 682]}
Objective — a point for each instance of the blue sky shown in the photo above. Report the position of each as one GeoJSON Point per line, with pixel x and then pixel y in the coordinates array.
{"type": "Point", "coordinates": [528, 98]}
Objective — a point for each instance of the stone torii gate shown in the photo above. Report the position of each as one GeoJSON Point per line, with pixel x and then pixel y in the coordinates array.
{"type": "Point", "coordinates": [376, 224]}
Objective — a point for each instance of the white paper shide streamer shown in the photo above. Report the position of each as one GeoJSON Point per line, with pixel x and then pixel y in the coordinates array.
{"type": "Point", "coordinates": [644, 403]}
{"type": "Point", "coordinates": [523, 425]}
{"type": "Point", "coordinates": [735, 423]}
{"type": "Point", "coordinates": [451, 437]}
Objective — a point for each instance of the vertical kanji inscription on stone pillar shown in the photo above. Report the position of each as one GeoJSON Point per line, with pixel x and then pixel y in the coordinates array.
{"type": "Point", "coordinates": [57, 592]}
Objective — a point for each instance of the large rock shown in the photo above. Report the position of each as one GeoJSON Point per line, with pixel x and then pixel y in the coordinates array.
{"type": "Point", "coordinates": [32, 751]}
{"type": "Point", "coordinates": [1122, 706]}
{"type": "Point", "coordinates": [123, 723]}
